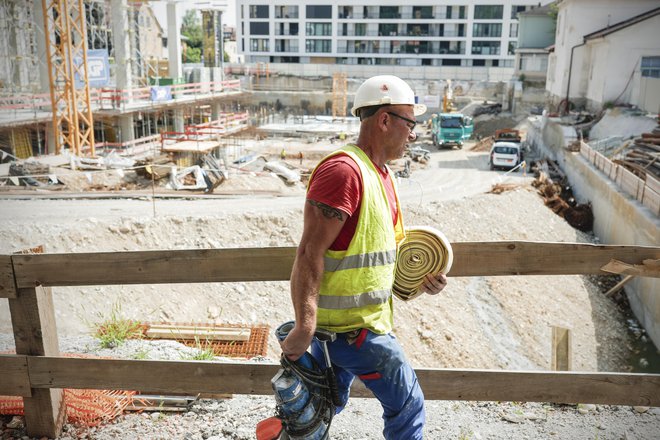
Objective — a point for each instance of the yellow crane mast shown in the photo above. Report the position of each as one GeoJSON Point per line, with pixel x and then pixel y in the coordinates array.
{"type": "Point", "coordinates": [66, 55]}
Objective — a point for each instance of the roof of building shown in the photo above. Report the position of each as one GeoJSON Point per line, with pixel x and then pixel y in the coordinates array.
{"type": "Point", "coordinates": [622, 24]}
{"type": "Point", "coordinates": [537, 12]}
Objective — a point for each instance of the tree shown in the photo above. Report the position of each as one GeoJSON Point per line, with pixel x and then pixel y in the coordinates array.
{"type": "Point", "coordinates": [191, 28]}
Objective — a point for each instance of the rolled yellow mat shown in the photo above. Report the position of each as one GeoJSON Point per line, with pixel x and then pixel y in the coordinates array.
{"type": "Point", "coordinates": [424, 250]}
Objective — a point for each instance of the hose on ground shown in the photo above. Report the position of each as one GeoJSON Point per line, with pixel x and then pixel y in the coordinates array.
{"type": "Point", "coordinates": [424, 250]}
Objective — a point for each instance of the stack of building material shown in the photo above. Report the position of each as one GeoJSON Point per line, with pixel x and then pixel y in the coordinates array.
{"type": "Point", "coordinates": [643, 157]}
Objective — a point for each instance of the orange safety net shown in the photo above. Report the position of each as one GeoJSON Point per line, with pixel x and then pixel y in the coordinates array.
{"type": "Point", "coordinates": [83, 407]}
{"type": "Point", "coordinates": [256, 345]}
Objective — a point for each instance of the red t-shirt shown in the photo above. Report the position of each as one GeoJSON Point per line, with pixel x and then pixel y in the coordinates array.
{"type": "Point", "coordinates": [338, 183]}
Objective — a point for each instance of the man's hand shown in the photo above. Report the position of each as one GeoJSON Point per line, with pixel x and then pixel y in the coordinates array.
{"type": "Point", "coordinates": [434, 284]}
{"type": "Point", "coordinates": [296, 343]}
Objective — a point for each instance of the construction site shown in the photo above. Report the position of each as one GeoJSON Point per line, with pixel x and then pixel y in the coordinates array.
{"type": "Point", "coordinates": [151, 209]}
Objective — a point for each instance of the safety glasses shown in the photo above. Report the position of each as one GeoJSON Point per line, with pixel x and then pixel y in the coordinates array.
{"type": "Point", "coordinates": [412, 123]}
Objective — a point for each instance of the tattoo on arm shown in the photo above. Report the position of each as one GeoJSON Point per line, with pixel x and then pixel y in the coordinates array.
{"type": "Point", "coordinates": [328, 211]}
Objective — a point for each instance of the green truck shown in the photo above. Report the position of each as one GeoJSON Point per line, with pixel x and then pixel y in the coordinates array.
{"type": "Point", "coordinates": [449, 129]}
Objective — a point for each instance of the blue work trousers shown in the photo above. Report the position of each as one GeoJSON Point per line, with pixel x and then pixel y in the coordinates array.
{"type": "Point", "coordinates": [379, 362]}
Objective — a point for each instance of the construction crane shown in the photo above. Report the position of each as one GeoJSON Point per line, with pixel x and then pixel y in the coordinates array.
{"type": "Point", "coordinates": [66, 55]}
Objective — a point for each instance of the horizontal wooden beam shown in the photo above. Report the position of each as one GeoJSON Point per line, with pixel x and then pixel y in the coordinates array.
{"type": "Point", "coordinates": [254, 378]}
{"type": "Point", "coordinates": [14, 373]}
{"type": "Point", "coordinates": [541, 258]}
{"type": "Point", "coordinates": [155, 376]}
{"type": "Point", "coordinates": [7, 285]}
{"type": "Point", "coordinates": [541, 386]}
{"type": "Point", "coordinates": [155, 267]}
{"type": "Point", "coordinates": [274, 264]}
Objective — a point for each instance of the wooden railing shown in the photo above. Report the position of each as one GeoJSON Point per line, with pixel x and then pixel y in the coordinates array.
{"type": "Point", "coordinates": [38, 373]}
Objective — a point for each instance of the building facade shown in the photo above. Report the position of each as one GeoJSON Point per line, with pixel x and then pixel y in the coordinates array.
{"type": "Point", "coordinates": [602, 53]}
{"type": "Point", "coordinates": [426, 33]}
{"type": "Point", "coordinates": [536, 34]}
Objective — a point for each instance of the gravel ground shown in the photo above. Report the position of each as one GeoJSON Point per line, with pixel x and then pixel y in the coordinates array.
{"type": "Point", "coordinates": [479, 322]}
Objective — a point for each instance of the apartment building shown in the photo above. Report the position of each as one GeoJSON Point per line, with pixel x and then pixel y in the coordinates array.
{"type": "Point", "coordinates": [424, 33]}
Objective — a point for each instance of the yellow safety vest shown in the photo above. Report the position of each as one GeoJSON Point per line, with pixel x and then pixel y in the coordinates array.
{"type": "Point", "coordinates": [356, 290]}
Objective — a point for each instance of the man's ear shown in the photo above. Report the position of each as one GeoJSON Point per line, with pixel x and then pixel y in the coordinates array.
{"type": "Point", "coordinates": [383, 121]}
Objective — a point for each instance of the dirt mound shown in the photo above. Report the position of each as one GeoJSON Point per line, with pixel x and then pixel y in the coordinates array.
{"type": "Point", "coordinates": [485, 125]}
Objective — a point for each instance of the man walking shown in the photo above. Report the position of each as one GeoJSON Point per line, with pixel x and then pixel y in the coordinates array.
{"type": "Point", "coordinates": [344, 267]}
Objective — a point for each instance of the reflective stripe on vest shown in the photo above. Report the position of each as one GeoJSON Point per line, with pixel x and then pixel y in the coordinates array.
{"type": "Point", "coordinates": [350, 302]}
{"type": "Point", "coordinates": [357, 261]}
{"type": "Point", "coordinates": [355, 291]}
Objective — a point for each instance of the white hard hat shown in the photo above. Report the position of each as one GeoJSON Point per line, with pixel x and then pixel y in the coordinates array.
{"type": "Point", "coordinates": [385, 89]}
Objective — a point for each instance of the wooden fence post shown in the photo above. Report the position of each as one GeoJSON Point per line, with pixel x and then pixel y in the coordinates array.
{"type": "Point", "coordinates": [35, 334]}
{"type": "Point", "coordinates": [562, 355]}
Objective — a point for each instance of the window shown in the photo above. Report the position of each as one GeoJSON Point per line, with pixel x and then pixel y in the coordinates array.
{"type": "Point", "coordinates": [478, 62]}
{"type": "Point", "coordinates": [452, 47]}
{"type": "Point", "coordinates": [286, 45]}
{"type": "Point", "coordinates": [259, 44]}
{"type": "Point", "coordinates": [318, 29]}
{"type": "Point", "coordinates": [488, 12]}
{"type": "Point", "coordinates": [451, 62]}
{"type": "Point", "coordinates": [345, 11]}
{"type": "Point", "coordinates": [319, 11]}
{"type": "Point", "coordinates": [389, 12]}
{"type": "Point", "coordinates": [487, 30]}
{"type": "Point", "coordinates": [387, 29]}
{"type": "Point", "coordinates": [515, 10]}
{"type": "Point", "coordinates": [286, 11]}
{"type": "Point", "coordinates": [450, 121]}
{"type": "Point", "coordinates": [286, 28]}
{"type": "Point", "coordinates": [259, 11]}
{"type": "Point", "coordinates": [512, 47]}
{"type": "Point", "coordinates": [485, 48]}
{"type": "Point", "coordinates": [422, 12]}
{"type": "Point", "coordinates": [360, 29]}
{"type": "Point", "coordinates": [259, 28]}
{"type": "Point", "coordinates": [513, 30]}
{"type": "Point", "coordinates": [651, 67]}
{"type": "Point", "coordinates": [455, 12]}
{"type": "Point", "coordinates": [318, 46]}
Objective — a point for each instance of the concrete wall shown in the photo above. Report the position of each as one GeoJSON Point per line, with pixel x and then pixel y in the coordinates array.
{"type": "Point", "coordinates": [536, 31]}
{"type": "Point", "coordinates": [620, 81]}
{"type": "Point", "coordinates": [618, 219]}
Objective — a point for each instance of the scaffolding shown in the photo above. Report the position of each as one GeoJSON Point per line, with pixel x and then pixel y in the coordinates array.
{"type": "Point", "coordinates": [339, 82]}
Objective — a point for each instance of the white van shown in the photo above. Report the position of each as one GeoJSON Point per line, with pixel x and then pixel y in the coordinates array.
{"type": "Point", "coordinates": [505, 155]}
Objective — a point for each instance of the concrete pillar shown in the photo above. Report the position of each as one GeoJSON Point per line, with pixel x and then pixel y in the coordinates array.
{"type": "Point", "coordinates": [216, 110]}
{"type": "Point", "coordinates": [38, 16]}
{"type": "Point", "coordinates": [126, 127]}
{"type": "Point", "coordinates": [23, 49]}
{"type": "Point", "coordinates": [174, 41]}
{"type": "Point", "coordinates": [122, 46]}
{"type": "Point", "coordinates": [44, 78]}
{"type": "Point", "coordinates": [49, 132]}
{"type": "Point", "coordinates": [177, 113]}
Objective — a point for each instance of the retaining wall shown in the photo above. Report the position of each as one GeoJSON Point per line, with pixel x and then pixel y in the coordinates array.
{"type": "Point", "coordinates": [618, 217]}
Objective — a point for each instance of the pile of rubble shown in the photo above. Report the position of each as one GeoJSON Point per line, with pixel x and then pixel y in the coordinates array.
{"type": "Point", "coordinates": [553, 186]}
